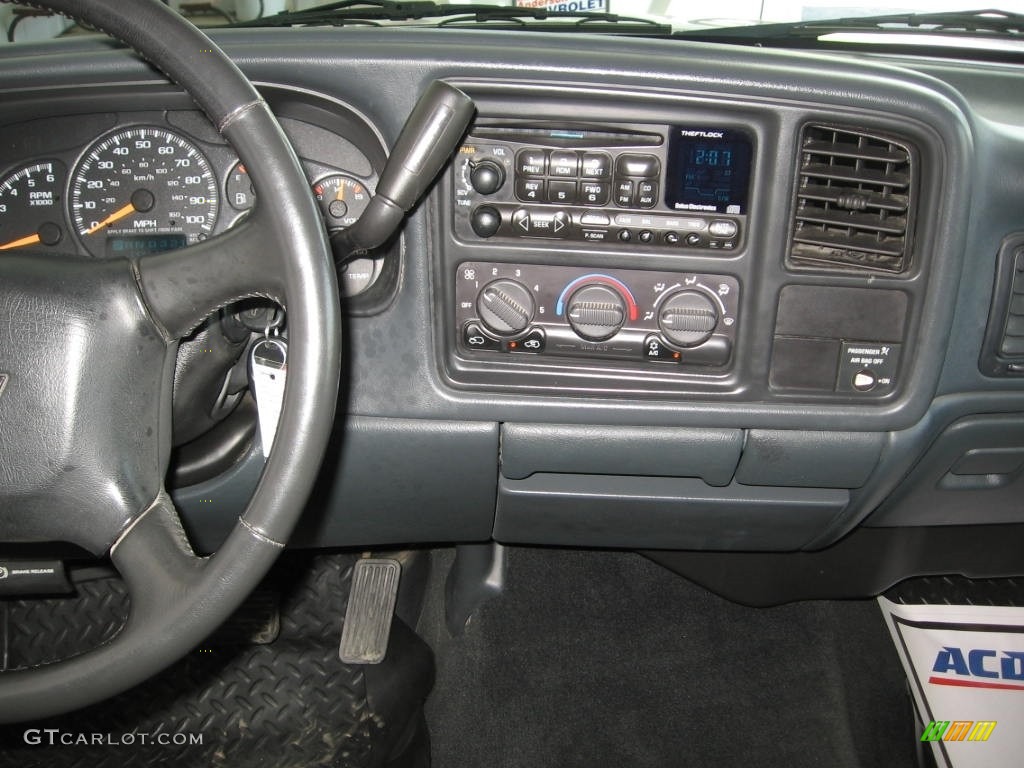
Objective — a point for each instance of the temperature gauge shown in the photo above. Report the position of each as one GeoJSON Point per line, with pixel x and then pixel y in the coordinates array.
{"type": "Point", "coordinates": [342, 200]}
{"type": "Point", "coordinates": [30, 206]}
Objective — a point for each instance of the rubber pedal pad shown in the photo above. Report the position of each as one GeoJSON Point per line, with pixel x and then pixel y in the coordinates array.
{"type": "Point", "coordinates": [371, 607]}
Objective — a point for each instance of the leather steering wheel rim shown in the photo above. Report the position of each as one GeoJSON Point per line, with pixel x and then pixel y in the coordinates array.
{"type": "Point", "coordinates": [281, 251]}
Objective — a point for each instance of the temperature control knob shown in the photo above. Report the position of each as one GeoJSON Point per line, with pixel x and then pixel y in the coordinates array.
{"type": "Point", "coordinates": [687, 318]}
{"type": "Point", "coordinates": [486, 176]}
{"type": "Point", "coordinates": [505, 307]}
{"type": "Point", "coordinates": [596, 312]}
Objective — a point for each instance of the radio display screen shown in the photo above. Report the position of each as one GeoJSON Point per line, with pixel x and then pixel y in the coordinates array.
{"type": "Point", "coordinates": [708, 170]}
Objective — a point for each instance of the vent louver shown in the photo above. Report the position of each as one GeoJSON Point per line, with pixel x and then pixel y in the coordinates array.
{"type": "Point", "coordinates": [854, 201]}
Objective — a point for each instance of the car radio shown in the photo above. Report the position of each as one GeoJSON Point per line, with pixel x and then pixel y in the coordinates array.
{"type": "Point", "coordinates": [665, 187]}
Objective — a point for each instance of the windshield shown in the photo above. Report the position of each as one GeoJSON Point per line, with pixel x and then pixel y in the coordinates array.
{"type": "Point", "coordinates": [26, 24]}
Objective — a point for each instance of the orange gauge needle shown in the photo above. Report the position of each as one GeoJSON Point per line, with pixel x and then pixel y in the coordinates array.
{"type": "Point", "coordinates": [29, 240]}
{"type": "Point", "coordinates": [341, 193]}
{"type": "Point", "coordinates": [117, 215]}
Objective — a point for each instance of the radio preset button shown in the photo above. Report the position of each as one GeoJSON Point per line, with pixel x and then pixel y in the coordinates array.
{"type": "Point", "coordinates": [643, 166]}
{"type": "Point", "coordinates": [562, 192]}
{"type": "Point", "coordinates": [594, 193]}
{"type": "Point", "coordinates": [531, 162]}
{"type": "Point", "coordinates": [595, 165]}
{"type": "Point", "coordinates": [563, 164]}
{"type": "Point", "coordinates": [530, 190]}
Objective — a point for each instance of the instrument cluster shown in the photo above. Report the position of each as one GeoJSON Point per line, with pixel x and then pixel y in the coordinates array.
{"type": "Point", "coordinates": [156, 181]}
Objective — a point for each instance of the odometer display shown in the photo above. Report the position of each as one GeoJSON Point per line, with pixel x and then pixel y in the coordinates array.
{"type": "Point", "coordinates": [143, 181]}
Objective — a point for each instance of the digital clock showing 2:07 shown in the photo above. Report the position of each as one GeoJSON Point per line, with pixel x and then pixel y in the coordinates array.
{"type": "Point", "coordinates": [712, 157]}
{"type": "Point", "coordinates": [709, 170]}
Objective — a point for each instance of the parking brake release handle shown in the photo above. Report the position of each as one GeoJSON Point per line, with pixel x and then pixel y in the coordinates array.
{"type": "Point", "coordinates": [429, 138]}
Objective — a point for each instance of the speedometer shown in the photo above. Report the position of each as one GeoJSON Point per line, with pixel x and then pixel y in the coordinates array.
{"type": "Point", "coordinates": [141, 190]}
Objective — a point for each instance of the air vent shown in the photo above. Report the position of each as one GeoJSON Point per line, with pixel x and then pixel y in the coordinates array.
{"type": "Point", "coordinates": [854, 201]}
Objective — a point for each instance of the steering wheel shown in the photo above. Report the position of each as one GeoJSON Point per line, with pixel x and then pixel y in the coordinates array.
{"type": "Point", "coordinates": [88, 349]}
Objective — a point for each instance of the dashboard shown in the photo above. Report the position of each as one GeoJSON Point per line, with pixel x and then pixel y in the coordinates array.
{"type": "Point", "coordinates": [753, 312]}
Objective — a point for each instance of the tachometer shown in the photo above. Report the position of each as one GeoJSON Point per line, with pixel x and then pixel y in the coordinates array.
{"type": "Point", "coordinates": [30, 206]}
{"type": "Point", "coordinates": [141, 190]}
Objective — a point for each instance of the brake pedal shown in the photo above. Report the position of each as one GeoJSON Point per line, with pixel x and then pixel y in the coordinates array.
{"type": "Point", "coordinates": [371, 607]}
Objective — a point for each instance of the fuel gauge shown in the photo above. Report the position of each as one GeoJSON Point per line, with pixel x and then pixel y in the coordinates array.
{"type": "Point", "coordinates": [342, 200]}
{"type": "Point", "coordinates": [31, 212]}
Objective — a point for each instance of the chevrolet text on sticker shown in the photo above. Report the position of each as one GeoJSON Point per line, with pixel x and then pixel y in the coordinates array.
{"type": "Point", "coordinates": [965, 669]}
{"type": "Point", "coordinates": [565, 6]}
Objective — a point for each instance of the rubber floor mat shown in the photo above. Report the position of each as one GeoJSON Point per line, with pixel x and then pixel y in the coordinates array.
{"type": "Point", "coordinates": [287, 703]}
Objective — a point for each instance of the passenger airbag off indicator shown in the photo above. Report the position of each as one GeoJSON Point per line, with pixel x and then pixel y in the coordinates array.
{"type": "Point", "coordinates": [868, 366]}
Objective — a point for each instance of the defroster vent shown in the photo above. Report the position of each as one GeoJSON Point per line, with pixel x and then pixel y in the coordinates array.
{"type": "Point", "coordinates": [854, 202]}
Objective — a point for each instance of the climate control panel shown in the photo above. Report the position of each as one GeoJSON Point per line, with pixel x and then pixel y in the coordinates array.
{"type": "Point", "coordinates": [666, 318]}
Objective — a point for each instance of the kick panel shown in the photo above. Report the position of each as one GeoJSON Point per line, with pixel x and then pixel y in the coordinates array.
{"type": "Point", "coordinates": [644, 317]}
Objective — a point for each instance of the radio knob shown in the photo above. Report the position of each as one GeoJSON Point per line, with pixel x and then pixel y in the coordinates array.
{"type": "Point", "coordinates": [505, 307]}
{"type": "Point", "coordinates": [486, 176]}
{"type": "Point", "coordinates": [596, 312]}
{"type": "Point", "coordinates": [485, 221]}
{"type": "Point", "coordinates": [687, 318]}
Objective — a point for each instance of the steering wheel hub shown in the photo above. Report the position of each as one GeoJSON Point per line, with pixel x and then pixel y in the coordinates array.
{"type": "Point", "coordinates": [86, 367]}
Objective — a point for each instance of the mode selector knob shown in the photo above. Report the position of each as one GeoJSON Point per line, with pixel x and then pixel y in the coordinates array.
{"type": "Point", "coordinates": [505, 307]}
{"type": "Point", "coordinates": [687, 318]}
{"type": "Point", "coordinates": [486, 176]}
{"type": "Point", "coordinates": [596, 312]}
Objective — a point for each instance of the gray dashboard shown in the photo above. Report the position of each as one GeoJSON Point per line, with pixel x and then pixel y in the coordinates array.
{"type": "Point", "coordinates": [769, 448]}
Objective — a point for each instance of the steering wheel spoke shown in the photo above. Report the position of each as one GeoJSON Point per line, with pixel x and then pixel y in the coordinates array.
{"type": "Point", "coordinates": [156, 560]}
{"type": "Point", "coordinates": [171, 590]}
{"type": "Point", "coordinates": [182, 287]}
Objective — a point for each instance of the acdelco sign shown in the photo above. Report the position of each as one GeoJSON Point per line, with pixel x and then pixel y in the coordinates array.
{"type": "Point", "coordinates": [979, 668]}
